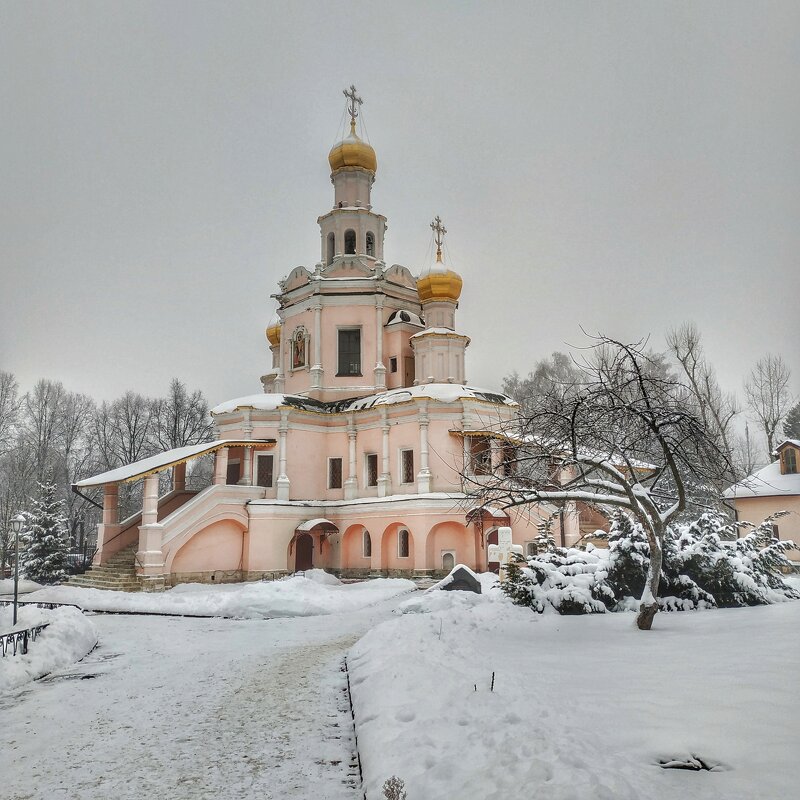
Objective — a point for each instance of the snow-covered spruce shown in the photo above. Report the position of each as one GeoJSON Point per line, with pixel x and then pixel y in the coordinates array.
{"type": "Point", "coordinates": [68, 637]}
{"type": "Point", "coordinates": [44, 558]}
{"type": "Point", "coordinates": [705, 565]}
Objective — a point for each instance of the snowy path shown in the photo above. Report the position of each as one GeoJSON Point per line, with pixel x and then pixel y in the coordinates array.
{"type": "Point", "coordinates": [191, 708]}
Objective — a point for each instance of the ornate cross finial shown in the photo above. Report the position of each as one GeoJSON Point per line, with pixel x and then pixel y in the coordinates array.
{"type": "Point", "coordinates": [439, 231]}
{"type": "Point", "coordinates": [353, 102]}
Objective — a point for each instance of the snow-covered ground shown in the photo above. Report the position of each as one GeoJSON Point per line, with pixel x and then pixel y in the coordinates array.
{"type": "Point", "coordinates": [191, 708]}
{"type": "Point", "coordinates": [24, 586]}
{"type": "Point", "coordinates": [68, 638]}
{"type": "Point", "coordinates": [583, 707]}
{"type": "Point", "coordinates": [298, 596]}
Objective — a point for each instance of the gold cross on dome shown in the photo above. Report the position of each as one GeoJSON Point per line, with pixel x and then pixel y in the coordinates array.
{"type": "Point", "coordinates": [353, 102]}
{"type": "Point", "coordinates": [439, 231]}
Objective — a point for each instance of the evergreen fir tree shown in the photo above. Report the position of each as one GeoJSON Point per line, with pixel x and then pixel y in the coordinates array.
{"type": "Point", "coordinates": [791, 425]}
{"type": "Point", "coordinates": [44, 559]}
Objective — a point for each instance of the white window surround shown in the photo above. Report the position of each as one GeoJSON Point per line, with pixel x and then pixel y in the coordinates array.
{"type": "Point", "coordinates": [400, 466]}
{"type": "Point", "coordinates": [367, 456]}
{"type": "Point", "coordinates": [452, 554]}
{"type": "Point", "coordinates": [358, 328]}
{"type": "Point", "coordinates": [255, 468]}
{"type": "Point", "coordinates": [341, 472]}
{"type": "Point", "coordinates": [408, 543]}
{"type": "Point", "coordinates": [366, 537]}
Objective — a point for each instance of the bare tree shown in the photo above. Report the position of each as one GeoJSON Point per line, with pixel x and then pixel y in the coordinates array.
{"type": "Point", "coordinates": [9, 409]}
{"type": "Point", "coordinates": [629, 438]}
{"type": "Point", "coordinates": [555, 374]}
{"type": "Point", "coordinates": [181, 418]}
{"type": "Point", "coordinates": [768, 395]}
{"type": "Point", "coordinates": [717, 408]}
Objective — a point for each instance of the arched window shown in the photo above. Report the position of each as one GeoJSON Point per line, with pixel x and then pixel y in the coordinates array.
{"type": "Point", "coordinates": [448, 560]}
{"type": "Point", "coordinates": [366, 545]}
{"type": "Point", "coordinates": [402, 543]}
{"type": "Point", "coordinates": [350, 242]}
{"type": "Point", "coordinates": [370, 243]}
{"type": "Point", "coordinates": [331, 247]}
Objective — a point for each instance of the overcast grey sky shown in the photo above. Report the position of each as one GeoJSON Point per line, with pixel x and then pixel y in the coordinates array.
{"type": "Point", "coordinates": [620, 166]}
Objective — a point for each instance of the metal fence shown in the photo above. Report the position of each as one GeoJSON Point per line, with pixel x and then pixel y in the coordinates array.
{"type": "Point", "coordinates": [18, 640]}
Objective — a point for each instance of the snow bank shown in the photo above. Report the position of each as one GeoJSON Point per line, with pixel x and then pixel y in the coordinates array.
{"type": "Point", "coordinates": [25, 586]}
{"type": "Point", "coordinates": [67, 639]}
{"type": "Point", "coordinates": [582, 707]}
{"type": "Point", "coordinates": [298, 596]}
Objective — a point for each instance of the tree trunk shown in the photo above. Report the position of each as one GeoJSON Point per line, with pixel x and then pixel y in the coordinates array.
{"type": "Point", "coordinates": [649, 602]}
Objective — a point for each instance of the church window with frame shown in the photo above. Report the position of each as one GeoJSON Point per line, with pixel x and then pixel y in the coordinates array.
{"type": "Point", "coordinates": [366, 544]}
{"type": "Point", "coordinates": [334, 473]}
{"type": "Point", "coordinates": [370, 243]}
{"type": "Point", "coordinates": [403, 547]}
{"type": "Point", "coordinates": [371, 469]}
{"type": "Point", "coordinates": [406, 466]}
{"type": "Point", "coordinates": [265, 469]}
{"type": "Point", "coordinates": [349, 356]}
{"type": "Point", "coordinates": [349, 242]}
{"type": "Point", "coordinates": [300, 348]}
{"type": "Point", "coordinates": [393, 364]}
{"type": "Point", "coordinates": [480, 451]}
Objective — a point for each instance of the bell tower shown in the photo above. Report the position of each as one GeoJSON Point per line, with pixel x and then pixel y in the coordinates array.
{"type": "Point", "coordinates": [351, 228]}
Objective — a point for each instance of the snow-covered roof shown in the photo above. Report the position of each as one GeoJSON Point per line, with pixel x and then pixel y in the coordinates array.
{"type": "Point", "coordinates": [765, 482]}
{"type": "Point", "coordinates": [162, 461]}
{"type": "Point", "coordinates": [312, 523]}
{"type": "Point", "coordinates": [439, 331]}
{"type": "Point", "coordinates": [439, 392]}
{"type": "Point", "coordinates": [793, 442]}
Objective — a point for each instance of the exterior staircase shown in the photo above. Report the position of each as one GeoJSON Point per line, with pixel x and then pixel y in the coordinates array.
{"type": "Point", "coordinates": [119, 573]}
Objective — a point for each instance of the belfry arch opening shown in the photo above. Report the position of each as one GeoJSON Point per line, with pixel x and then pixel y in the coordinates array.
{"type": "Point", "coordinates": [370, 244]}
{"type": "Point", "coordinates": [331, 251]}
{"type": "Point", "coordinates": [350, 242]}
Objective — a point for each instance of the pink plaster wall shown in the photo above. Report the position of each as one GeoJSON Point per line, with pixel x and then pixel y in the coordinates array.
{"type": "Point", "coordinates": [450, 536]}
{"type": "Point", "coordinates": [217, 547]}
{"type": "Point", "coordinates": [757, 509]}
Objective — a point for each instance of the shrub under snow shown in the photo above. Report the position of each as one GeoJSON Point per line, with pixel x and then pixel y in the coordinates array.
{"type": "Point", "coordinates": [705, 565]}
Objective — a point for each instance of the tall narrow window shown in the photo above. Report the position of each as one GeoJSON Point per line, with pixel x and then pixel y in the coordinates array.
{"type": "Point", "coordinates": [509, 460]}
{"type": "Point", "coordinates": [402, 543]}
{"type": "Point", "coordinates": [366, 545]}
{"type": "Point", "coordinates": [370, 243]}
{"type": "Point", "coordinates": [790, 461]}
{"type": "Point", "coordinates": [407, 466]}
{"type": "Point", "coordinates": [334, 473]}
{"type": "Point", "coordinates": [393, 364]}
{"type": "Point", "coordinates": [264, 470]}
{"type": "Point", "coordinates": [372, 469]}
{"type": "Point", "coordinates": [350, 242]}
{"type": "Point", "coordinates": [481, 455]}
{"type": "Point", "coordinates": [234, 473]}
{"type": "Point", "coordinates": [349, 352]}
{"type": "Point", "coordinates": [331, 247]}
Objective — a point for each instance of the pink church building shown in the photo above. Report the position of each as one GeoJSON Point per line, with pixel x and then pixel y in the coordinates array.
{"type": "Point", "coordinates": [352, 457]}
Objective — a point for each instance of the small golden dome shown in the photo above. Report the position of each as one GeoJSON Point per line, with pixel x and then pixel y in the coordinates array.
{"type": "Point", "coordinates": [352, 152]}
{"type": "Point", "coordinates": [273, 332]}
{"type": "Point", "coordinates": [439, 283]}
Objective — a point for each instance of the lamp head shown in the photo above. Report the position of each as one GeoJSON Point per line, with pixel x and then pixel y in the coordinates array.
{"type": "Point", "coordinates": [17, 523]}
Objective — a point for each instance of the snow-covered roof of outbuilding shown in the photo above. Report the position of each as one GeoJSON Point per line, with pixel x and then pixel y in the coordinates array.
{"type": "Point", "coordinates": [766, 482]}
{"type": "Point", "coordinates": [439, 392]}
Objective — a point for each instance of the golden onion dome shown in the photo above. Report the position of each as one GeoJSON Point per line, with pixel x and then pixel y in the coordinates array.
{"type": "Point", "coordinates": [352, 152]}
{"type": "Point", "coordinates": [438, 282]}
{"type": "Point", "coordinates": [273, 331]}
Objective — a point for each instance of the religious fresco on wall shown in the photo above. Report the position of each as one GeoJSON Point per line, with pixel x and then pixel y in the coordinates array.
{"type": "Point", "coordinates": [299, 342]}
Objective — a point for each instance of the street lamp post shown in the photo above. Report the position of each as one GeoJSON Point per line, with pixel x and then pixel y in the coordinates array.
{"type": "Point", "coordinates": [16, 526]}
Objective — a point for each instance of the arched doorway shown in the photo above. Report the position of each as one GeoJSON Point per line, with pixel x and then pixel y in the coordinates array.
{"type": "Point", "coordinates": [303, 552]}
{"type": "Point", "coordinates": [492, 566]}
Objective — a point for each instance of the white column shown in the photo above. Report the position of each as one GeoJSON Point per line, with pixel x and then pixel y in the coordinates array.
{"type": "Point", "coordinates": [221, 467]}
{"type": "Point", "coordinates": [280, 379]}
{"type": "Point", "coordinates": [380, 368]}
{"type": "Point", "coordinates": [424, 474]}
{"type": "Point", "coordinates": [316, 369]}
{"type": "Point", "coordinates": [283, 482]}
{"type": "Point", "coordinates": [247, 467]}
{"type": "Point", "coordinates": [351, 484]}
{"type": "Point", "coordinates": [149, 554]}
{"type": "Point", "coordinates": [385, 478]}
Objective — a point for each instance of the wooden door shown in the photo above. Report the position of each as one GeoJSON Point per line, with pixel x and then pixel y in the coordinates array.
{"type": "Point", "coordinates": [303, 552]}
{"type": "Point", "coordinates": [408, 371]}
